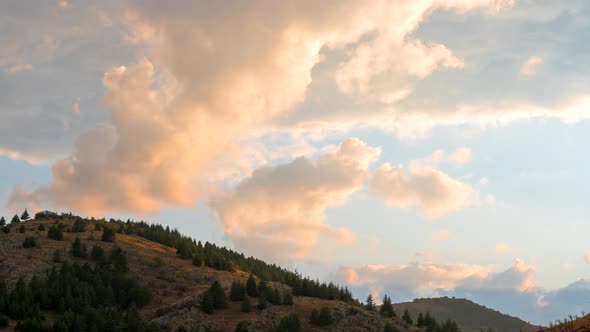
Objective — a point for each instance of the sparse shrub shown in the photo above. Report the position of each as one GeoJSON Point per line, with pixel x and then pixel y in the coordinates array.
{"type": "Point", "coordinates": [30, 242]}
{"type": "Point", "coordinates": [79, 226]}
{"type": "Point", "coordinates": [157, 262]}
{"type": "Point", "coordinates": [57, 256]}
{"type": "Point", "coordinates": [41, 228]}
{"type": "Point", "coordinates": [242, 326]}
{"type": "Point", "coordinates": [390, 328]}
{"type": "Point", "coordinates": [22, 229]}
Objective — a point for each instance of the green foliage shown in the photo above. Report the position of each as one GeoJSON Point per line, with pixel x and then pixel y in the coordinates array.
{"type": "Point", "coordinates": [15, 219]}
{"type": "Point", "coordinates": [287, 298]}
{"type": "Point", "coordinates": [108, 234]}
{"type": "Point", "coordinates": [2, 222]}
{"type": "Point", "coordinates": [6, 229]}
{"type": "Point", "coordinates": [57, 256]}
{"type": "Point", "coordinates": [79, 249]}
{"type": "Point", "coordinates": [207, 305]}
{"type": "Point", "coordinates": [274, 296]}
{"type": "Point", "coordinates": [406, 317]}
{"type": "Point", "coordinates": [25, 216]}
{"type": "Point", "coordinates": [369, 303]}
{"type": "Point", "coordinates": [79, 226]}
{"type": "Point", "coordinates": [41, 228]}
{"type": "Point", "coordinates": [390, 328]}
{"type": "Point", "coordinates": [262, 302]}
{"type": "Point", "coordinates": [4, 320]}
{"type": "Point", "coordinates": [30, 242]}
{"type": "Point", "coordinates": [289, 323]}
{"type": "Point", "coordinates": [420, 321]}
{"type": "Point", "coordinates": [55, 232]}
{"type": "Point", "coordinates": [246, 304]}
{"type": "Point", "coordinates": [242, 326]}
{"type": "Point", "coordinates": [386, 309]}
{"type": "Point", "coordinates": [119, 259]}
{"type": "Point", "coordinates": [98, 255]}
{"type": "Point", "coordinates": [237, 291]}
{"type": "Point", "coordinates": [21, 229]}
{"type": "Point", "coordinates": [251, 287]}
{"type": "Point", "coordinates": [321, 318]}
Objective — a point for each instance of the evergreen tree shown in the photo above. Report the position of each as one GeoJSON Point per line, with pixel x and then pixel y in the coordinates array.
{"type": "Point", "coordinates": [41, 228]}
{"type": "Point", "coordinates": [57, 256]}
{"type": "Point", "coordinates": [29, 242]}
{"type": "Point", "coordinates": [98, 255]}
{"type": "Point", "coordinates": [242, 326]}
{"type": "Point", "coordinates": [263, 288]}
{"type": "Point", "coordinates": [237, 291]}
{"type": "Point", "coordinates": [289, 323]}
{"type": "Point", "coordinates": [79, 249]}
{"type": "Point", "coordinates": [370, 304]}
{"type": "Point", "coordinates": [274, 296]}
{"type": "Point", "coordinates": [219, 300]}
{"type": "Point", "coordinates": [387, 307]}
{"type": "Point", "coordinates": [262, 302]}
{"type": "Point", "coordinates": [6, 229]}
{"type": "Point", "coordinates": [25, 216]}
{"type": "Point", "coordinates": [207, 302]}
{"type": "Point", "coordinates": [420, 321]}
{"type": "Point", "coordinates": [2, 222]}
{"type": "Point", "coordinates": [407, 317]}
{"type": "Point", "coordinates": [251, 287]}
{"type": "Point", "coordinates": [246, 304]}
{"type": "Point", "coordinates": [15, 219]}
{"type": "Point", "coordinates": [321, 318]}
{"type": "Point", "coordinates": [287, 298]}
{"type": "Point", "coordinates": [22, 229]}
{"type": "Point", "coordinates": [108, 234]}
{"type": "Point", "coordinates": [390, 328]}
{"type": "Point", "coordinates": [55, 233]}
{"type": "Point", "coordinates": [119, 259]}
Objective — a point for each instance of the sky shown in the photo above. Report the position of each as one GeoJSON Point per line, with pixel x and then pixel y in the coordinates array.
{"type": "Point", "coordinates": [412, 148]}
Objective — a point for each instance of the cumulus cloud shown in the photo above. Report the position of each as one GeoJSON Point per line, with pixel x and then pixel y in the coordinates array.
{"type": "Point", "coordinates": [441, 235]}
{"type": "Point", "coordinates": [283, 206]}
{"type": "Point", "coordinates": [431, 191]}
{"type": "Point", "coordinates": [458, 157]}
{"type": "Point", "coordinates": [529, 67]}
{"type": "Point", "coordinates": [503, 248]}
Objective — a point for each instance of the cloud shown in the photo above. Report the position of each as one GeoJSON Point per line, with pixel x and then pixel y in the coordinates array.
{"type": "Point", "coordinates": [19, 67]}
{"type": "Point", "coordinates": [461, 156]}
{"type": "Point", "coordinates": [283, 207]}
{"type": "Point", "coordinates": [503, 248]}
{"type": "Point", "coordinates": [530, 66]}
{"type": "Point", "coordinates": [431, 191]}
{"type": "Point", "coordinates": [441, 235]}
{"type": "Point", "coordinates": [587, 257]}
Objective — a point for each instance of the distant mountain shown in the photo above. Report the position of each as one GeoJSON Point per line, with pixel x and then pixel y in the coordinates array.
{"type": "Point", "coordinates": [470, 316]}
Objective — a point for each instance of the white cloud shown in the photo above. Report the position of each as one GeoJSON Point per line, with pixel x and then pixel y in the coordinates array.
{"type": "Point", "coordinates": [441, 235]}
{"type": "Point", "coordinates": [461, 156]}
{"type": "Point", "coordinates": [19, 67]}
{"type": "Point", "coordinates": [503, 248]}
{"type": "Point", "coordinates": [587, 257]}
{"type": "Point", "coordinates": [530, 66]}
{"type": "Point", "coordinates": [431, 191]}
{"type": "Point", "coordinates": [282, 207]}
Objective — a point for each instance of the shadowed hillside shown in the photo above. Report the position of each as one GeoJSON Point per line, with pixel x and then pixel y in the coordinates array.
{"type": "Point", "coordinates": [469, 316]}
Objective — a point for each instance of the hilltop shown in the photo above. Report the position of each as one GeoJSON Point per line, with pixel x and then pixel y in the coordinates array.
{"type": "Point", "coordinates": [469, 316]}
{"type": "Point", "coordinates": [177, 271]}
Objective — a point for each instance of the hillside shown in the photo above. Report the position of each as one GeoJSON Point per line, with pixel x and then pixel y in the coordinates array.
{"type": "Point", "coordinates": [570, 324]}
{"type": "Point", "coordinates": [177, 285]}
{"type": "Point", "coordinates": [469, 316]}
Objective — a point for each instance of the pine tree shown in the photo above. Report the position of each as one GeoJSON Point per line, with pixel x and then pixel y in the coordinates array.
{"type": "Point", "coordinates": [25, 216]}
{"type": "Point", "coordinates": [274, 296]}
{"type": "Point", "coordinates": [407, 317]}
{"type": "Point", "coordinates": [287, 298]}
{"type": "Point", "coordinates": [55, 233]}
{"type": "Point", "coordinates": [420, 321]}
{"type": "Point", "coordinates": [29, 242]}
{"type": "Point", "coordinates": [370, 304]}
{"type": "Point", "coordinates": [262, 302]}
{"type": "Point", "coordinates": [207, 302]}
{"type": "Point", "coordinates": [289, 323]}
{"type": "Point", "coordinates": [15, 219]}
{"type": "Point", "coordinates": [387, 307]}
{"type": "Point", "coordinates": [219, 300]}
{"type": "Point", "coordinates": [21, 229]}
{"type": "Point", "coordinates": [79, 249]}
{"type": "Point", "coordinates": [2, 222]}
{"type": "Point", "coordinates": [237, 291]}
{"type": "Point", "coordinates": [98, 255]}
{"type": "Point", "coordinates": [246, 304]}
{"type": "Point", "coordinates": [251, 287]}
{"type": "Point", "coordinates": [108, 234]}
{"type": "Point", "coordinates": [57, 256]}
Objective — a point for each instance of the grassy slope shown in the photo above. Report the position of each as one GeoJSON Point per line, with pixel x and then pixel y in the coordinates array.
{"type": "Point", "coordinates": [176, 284]}
{"type": "Point", "coordinates": [469, 315]}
